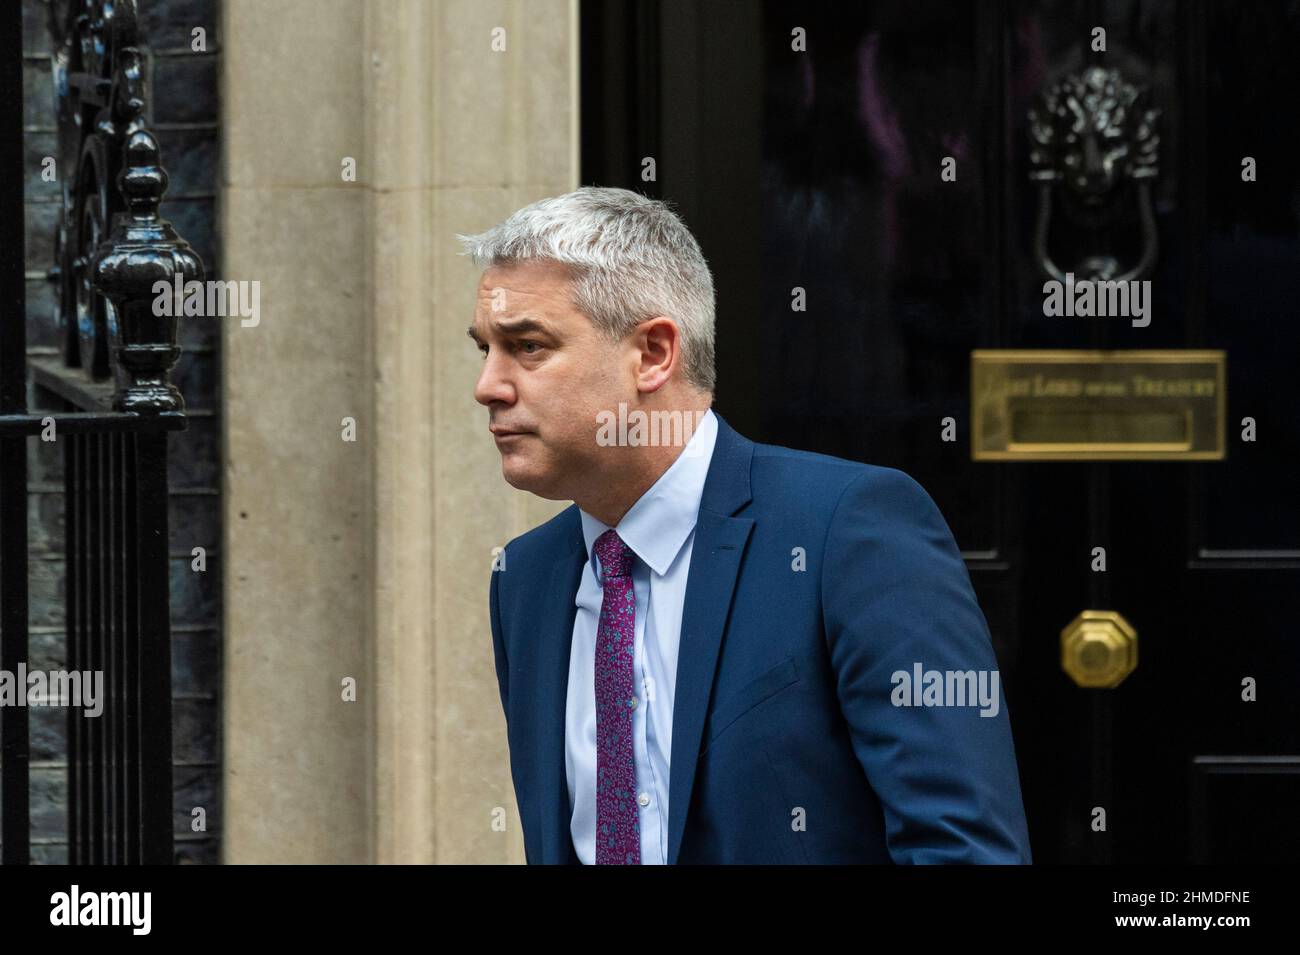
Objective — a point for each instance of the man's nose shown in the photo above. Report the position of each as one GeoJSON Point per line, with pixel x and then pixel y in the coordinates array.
{"type": "Point", "coordinates": [493, 383]}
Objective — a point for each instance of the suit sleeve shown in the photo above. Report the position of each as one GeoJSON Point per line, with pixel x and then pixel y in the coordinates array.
{"type": "Point", "coordinates": [896, 593]}
{"type": "Point", "coordinates": [498, 643]}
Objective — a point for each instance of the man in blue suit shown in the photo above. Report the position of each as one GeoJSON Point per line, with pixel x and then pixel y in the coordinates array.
{"type": "Point", "coordinates": [723, 651]}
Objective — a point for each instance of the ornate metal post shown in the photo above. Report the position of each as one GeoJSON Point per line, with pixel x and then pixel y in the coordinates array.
{"type": "Point", "coordinates": [141, 251]}
{"type": "Point", "coordinates": [119, 405]}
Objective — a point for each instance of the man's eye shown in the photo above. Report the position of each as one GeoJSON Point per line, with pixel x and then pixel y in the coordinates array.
{"type": "Point", "coordinates": [525, 343]}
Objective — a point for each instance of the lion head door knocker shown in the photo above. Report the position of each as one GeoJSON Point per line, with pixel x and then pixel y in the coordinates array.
{"type": "Point", "coordinates": [1094, 154]}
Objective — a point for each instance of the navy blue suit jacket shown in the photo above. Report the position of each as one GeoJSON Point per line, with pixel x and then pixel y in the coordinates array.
{"type": "Point", "coordinates": [787, 745]}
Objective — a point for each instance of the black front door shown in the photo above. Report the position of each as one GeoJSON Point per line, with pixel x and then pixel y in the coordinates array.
{"type": "Point", "coordinates": [868, 183]}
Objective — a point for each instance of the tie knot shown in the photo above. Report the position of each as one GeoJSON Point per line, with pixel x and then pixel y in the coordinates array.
{"type": "Point", "coordinates": [616, 558]}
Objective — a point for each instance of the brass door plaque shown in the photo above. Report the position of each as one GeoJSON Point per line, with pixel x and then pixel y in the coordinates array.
{"type": "Point", "coordinates": [1065, 405]}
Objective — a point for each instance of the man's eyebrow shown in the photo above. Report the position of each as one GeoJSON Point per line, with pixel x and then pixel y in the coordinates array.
{"type": "Point", "coordinates": [513, 327]}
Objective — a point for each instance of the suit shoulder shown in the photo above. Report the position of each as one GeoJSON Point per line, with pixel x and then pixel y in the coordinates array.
{"type": "Point", "coordinates": [825, 474]}
{"type": "Point", "coordinates": [804, 467]}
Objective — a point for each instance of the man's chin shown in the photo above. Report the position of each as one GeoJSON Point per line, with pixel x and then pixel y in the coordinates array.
{"type": "Point", "coordinates": [524, 479]}
{"type": "Point", "coordinates": [517, 474]}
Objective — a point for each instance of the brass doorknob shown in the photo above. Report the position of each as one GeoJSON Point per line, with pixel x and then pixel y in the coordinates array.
{"type": "Point", "coordinates": [1099, 649]}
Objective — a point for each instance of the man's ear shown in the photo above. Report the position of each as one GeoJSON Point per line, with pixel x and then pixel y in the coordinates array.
{"type": "Point", "coordinates": [659, 342]}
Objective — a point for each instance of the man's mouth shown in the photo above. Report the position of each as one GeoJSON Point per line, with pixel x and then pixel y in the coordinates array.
{"type": "Point", "coordinates": [501, 433]}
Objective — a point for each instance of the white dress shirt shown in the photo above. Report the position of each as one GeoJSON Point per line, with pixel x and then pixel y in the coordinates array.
{"type": "Point", "coordinates": [660, 530]}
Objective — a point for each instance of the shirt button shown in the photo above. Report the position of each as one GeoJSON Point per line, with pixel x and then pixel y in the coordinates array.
{"type": "Point", "coordinates": [643, 799]}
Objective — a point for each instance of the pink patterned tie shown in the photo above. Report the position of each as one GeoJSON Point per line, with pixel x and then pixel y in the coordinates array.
{"type": "Point", "coordinates": [618, 828]}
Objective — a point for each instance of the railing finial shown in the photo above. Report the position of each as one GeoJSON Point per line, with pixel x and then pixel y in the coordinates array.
{"type": "Point", "coordinates": [143, 180]}
{"type": "Point", "coordinates": [142, 250]}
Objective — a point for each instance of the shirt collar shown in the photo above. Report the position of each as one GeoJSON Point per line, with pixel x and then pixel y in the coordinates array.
{"type": "Point", "coordinates": [657, 525]}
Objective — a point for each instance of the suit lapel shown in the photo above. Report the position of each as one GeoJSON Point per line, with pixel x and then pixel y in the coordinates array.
{"type": "Point", "coordinates": [554, 621]}
{"type": "Point", "coordinates": [716, 554]}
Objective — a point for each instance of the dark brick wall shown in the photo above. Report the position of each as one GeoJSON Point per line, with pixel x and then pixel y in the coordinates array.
{"type": "Point", "coordinates": [184, 114]}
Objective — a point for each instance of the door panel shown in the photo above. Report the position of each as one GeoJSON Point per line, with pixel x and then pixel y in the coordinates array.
{"type": "Point", "coordinates": [822, 187]}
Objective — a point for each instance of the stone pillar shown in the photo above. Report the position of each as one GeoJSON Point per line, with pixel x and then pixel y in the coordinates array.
{"type": "Point", "coordinates": [371, 558]}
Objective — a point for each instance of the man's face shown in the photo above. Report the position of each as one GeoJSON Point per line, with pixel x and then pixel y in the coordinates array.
{"type": "Point", "coordinates": [547, 372]}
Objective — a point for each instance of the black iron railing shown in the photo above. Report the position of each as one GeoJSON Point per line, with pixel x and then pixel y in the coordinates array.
{"type": "Point", "coordinates": [110, 382]}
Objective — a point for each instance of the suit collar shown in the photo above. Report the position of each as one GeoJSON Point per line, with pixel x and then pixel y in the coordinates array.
{"type": "Point", "coordinates": [726, 489]}
{"type": "Point", "coordinates": [720, 541]}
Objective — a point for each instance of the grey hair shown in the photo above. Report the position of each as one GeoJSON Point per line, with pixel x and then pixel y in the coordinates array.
{"type": "Point", "coordinates": [631, 258]}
